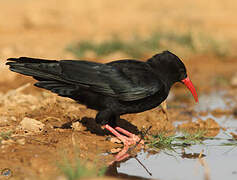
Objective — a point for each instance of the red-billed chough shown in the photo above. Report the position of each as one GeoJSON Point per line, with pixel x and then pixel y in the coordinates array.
{"type": "Point", "coordinates": [113, 89]}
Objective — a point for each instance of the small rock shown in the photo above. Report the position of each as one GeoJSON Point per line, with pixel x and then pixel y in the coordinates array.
{"type": "Point", "coordinates": [21, 141]}
{"type": "Point", "coordinates": [78, 126]}
{"type": "Point", "coordinates": [115, 150]}
{"type": "Point", "coordinates": [115, 140]}
{"type": "Point", "coordinates": [13, 118]}
{"type": "Point", "coordinates": [31, 125]}
{"type": "Point", "coordinates": [33, 107]}
{"type": "Point", "coordinates": [7, 142]}
{"type": "Point", "coordinates": [3, 121]}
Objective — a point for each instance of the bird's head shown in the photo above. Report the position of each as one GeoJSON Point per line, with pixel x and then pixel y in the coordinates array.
{"type": "Point", "coordinates": [171, 69]}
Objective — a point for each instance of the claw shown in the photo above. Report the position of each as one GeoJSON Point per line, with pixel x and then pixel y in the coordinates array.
{"type": "Point", "coordinates": [127, 141]}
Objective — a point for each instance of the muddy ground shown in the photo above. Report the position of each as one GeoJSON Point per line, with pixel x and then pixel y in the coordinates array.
{"type": "Point", "coordinates": [65, 128]}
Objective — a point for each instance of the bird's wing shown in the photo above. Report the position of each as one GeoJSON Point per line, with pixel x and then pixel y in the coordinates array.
{"type": "Point", "coordinates": [125, 80]}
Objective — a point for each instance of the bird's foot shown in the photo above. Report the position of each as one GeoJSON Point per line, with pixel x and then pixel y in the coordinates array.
{"type": "Point", "coordinates": [131, 137]}
{"type": "Point", "coordinates": [121, 154]}
{"type": "Point", "coordinates": [127, 141]}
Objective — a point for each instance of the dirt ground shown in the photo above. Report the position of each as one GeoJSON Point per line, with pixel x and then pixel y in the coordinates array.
{"type": "Point", "coordinates": [64, 128]}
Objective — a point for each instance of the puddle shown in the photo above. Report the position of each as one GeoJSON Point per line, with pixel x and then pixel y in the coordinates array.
{"type": "Point", "coordinates": [219, 158]}
{"type": "Point", "coordinates": [214, 100]}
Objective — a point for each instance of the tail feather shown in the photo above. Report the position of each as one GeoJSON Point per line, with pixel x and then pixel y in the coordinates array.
{"type": "Point", "coordinates": [29, 60]}
{"type": "Point", "coordinates": [38, 68]}
{"type": "Point", "coordinates": [47, 72]}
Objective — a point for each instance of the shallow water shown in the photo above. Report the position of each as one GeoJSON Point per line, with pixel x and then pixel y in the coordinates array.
{"type": "Point", "coordinates": [163, 166]}
{"type": "Point", "coordinates": [220, 160]}
{"type": "Point", "coordinates": [214, 100]}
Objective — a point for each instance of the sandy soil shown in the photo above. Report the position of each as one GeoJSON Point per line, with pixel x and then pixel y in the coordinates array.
{"type": "Point", "coordinates": [63, 128]}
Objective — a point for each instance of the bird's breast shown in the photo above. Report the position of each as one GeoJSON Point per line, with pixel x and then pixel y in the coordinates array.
{"type": "Point", "coordinates": [143, 104]}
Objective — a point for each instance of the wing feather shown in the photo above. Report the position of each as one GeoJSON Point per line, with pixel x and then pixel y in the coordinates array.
{"type": "Point", "coordinates": [127, 80]}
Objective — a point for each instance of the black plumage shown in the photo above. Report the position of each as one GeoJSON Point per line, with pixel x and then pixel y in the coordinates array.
{"type": "Point", "coordinates": [115, 88]}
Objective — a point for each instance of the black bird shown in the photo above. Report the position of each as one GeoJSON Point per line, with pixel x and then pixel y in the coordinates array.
{"type": "Point", "coordinates": [113, 89]}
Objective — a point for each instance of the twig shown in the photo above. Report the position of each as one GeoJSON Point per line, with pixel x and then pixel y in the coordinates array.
{"type": "Point", "coordinates": [164, 109]}
{"type": "Point", "coordinates": [205, 166]}
{"type": "Point", "coordinates": [142, 138]}
{"type": "Point", "coordinates": [143, 166]}
{"type": "Point", "coordinates": [133, 147]}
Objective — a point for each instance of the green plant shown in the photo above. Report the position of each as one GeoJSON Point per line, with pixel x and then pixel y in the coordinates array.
{"type": "Point", "coordinates": [232, 141]}
{"type": "Point", "coordinates": [161, 141]}
{"type": "Point", "coordinates": [5, 135]}
{"type": "Point", "coordinates": [193, 138]}
{"type": "Point", "coordinates": [79, 169]}
{"type": "Point", "coordinates": [139, 46]}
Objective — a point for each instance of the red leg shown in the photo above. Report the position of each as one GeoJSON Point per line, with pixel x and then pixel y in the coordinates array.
{"type": "Point", "coordinates": [123, 154]}
{"type": "Point", "coordinates": [124, 131]}
{"type": "Point", "coordinates": [131, 136]}
{"type": "Point", "coordinates": [122, 138]}
{"type": "Point", "coordinates": [131, 139]}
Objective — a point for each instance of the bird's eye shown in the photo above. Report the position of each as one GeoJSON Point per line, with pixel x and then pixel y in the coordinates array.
{"type": "Point", "coordinates": [182, 74]}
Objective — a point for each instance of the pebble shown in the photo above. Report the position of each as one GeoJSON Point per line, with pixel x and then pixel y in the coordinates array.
{"type": "Point", "coordinates": [78, 126]}
{"type": "Point", "coordinates": [21, 141]}
{"type": "Point", "coordinates": [7, 142]}
{"type": "Point", "coordinates": [32, 125]}
{"type": "Point", "coordinates": [3, 121]}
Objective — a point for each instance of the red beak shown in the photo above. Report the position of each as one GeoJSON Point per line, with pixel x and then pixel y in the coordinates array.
{"type": "Point", "coordinates": [188, 83]}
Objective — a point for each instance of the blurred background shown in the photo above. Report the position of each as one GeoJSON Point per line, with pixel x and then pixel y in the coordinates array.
{"type": "Point", "coordinates": [105, 30]}
{"type": "Point", "coordinates": [54, 28]}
